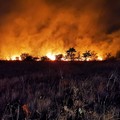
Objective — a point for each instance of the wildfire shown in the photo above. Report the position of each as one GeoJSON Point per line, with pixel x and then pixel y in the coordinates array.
{"type": "Point", "coordinates": [14, 57]}
{"type": "Point", "coordinates": [99, 58]}
{"type": "Point", "coordinates": [57, 56]}
{"type": "Point", "coordinates": [88, 59]}
{"type": "Point", "coordinates": [51, 56]}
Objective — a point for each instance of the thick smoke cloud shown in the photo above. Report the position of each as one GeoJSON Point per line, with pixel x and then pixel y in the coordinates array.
{"type": "Point", "coordinates": [41, 26]}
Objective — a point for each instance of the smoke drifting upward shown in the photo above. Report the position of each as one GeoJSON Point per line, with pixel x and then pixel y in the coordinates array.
{"type": "Point", "coordinates": [41, 26]}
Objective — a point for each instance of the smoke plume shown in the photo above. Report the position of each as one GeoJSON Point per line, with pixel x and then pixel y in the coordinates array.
{"type": "Point", "coordinates": [41, 26]}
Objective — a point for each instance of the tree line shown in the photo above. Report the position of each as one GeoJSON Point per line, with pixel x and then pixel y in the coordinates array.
{"type": "Point", "coordinates": [72, 55]}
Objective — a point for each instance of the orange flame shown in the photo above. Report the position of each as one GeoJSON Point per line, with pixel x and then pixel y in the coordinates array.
{"type": "Point", "coordinates": [14, 57]}
{"type": "Point", "coordinates": [51, 56]}
{"type": "Point", "coordinates": [99, 58]}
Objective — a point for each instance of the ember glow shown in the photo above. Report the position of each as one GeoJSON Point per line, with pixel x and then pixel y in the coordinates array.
{"type": "Point", "coordinates": [39, 26]}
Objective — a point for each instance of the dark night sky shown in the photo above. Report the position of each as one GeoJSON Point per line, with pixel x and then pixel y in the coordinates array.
{"type": "Point", "coordinates": [55, 25]}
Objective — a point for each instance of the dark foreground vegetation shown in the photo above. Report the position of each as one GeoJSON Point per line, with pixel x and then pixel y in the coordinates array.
{"type": "Point", "coordinates": [60, 90]}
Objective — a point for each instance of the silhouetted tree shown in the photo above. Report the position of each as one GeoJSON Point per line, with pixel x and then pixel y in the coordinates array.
{"type": "Point", "coordinates": [87, 55]}
{"type": "Point", "coordinates": [94, 55]}
{"type": "Point", "coordinates": [108, 56]}
{"type": "Point", "coordinates": [27, 57]}
{"type": "Point", "coordinates": [59, 57]}
{"type": "Point", "coordinates": [44, 58]}
{"type": "Point", "coordinates": [71, 53]}
{"type": "Point", "coordinates": [24, 56]}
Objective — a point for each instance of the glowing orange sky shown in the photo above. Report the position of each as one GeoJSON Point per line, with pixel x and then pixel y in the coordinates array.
{"type": "Point", "coordinates": [38, 27]}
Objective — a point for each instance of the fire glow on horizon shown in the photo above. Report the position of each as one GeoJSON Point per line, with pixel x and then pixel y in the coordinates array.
{"type": "Point", "coordinates": [39, 26]}
{"type": "Point", "coordinates": [52, 57]}
{"type": "Point", "coordinates": [14, 58]}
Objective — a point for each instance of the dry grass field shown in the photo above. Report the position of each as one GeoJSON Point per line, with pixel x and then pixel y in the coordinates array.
{"type": "Point", "coordinates": [60, 90]}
